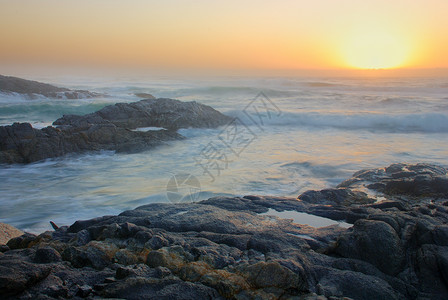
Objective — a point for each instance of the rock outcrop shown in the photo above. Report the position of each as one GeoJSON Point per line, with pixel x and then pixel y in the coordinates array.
{"type": "Point", "coordinates": [33, 89]}
{"type": "Point", "coordinates": [224, 248]}
{"type": "Point", "coordinates": [107, 129]}
{"type": "Point", "coordinates": [162, 112]}
{"type": "Point", "coordinates": [8, 232]}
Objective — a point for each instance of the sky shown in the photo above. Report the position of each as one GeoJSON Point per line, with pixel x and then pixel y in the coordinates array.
{"type": "Point", "coordinates": [243, 34]}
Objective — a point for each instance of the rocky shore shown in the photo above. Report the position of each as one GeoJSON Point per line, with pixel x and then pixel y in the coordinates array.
{"type": "Point", "coordinates": [229, 248]}
{"type": "Point", "coordinates": [110, 128]}
{"type": "Point", "coordinates": [34, 89]}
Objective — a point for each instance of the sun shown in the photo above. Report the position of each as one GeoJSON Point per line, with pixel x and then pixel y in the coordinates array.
{"type": "Point", "coordinates": [375, 48]}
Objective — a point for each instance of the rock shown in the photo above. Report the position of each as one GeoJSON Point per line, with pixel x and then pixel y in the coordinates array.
{"type": "Point", "coordinates": [46, 255]}
{"type": "Point", "coordinates": [162, 112]}
{"type": "Point", "coordinates": [33, 89]}
{"type": "Point", "coordinates": [8, 232]}
{"type": "Point", "coordinates": [355, 285]}
{"type": "Point", "coordinates": [339, 196]}
{"type": "Point", "coordinates": [23, 241]}
{"type": "Point", "coordinates": [375, 242]}
{"type": "Point", "coordinates": [224, 247]}
{"type": "Point", "coordinates": [401, 179]}
{"type": "Point", "coordinates": [106, 129]}
{"type": "Point", "coordinates": [272, 274]}
{"type": "Point", "coordinates": [17, 275]}
{"type": "Point", "coordinates": [145, 96]}
{"type": "Point", "coordinates": [152, 288]}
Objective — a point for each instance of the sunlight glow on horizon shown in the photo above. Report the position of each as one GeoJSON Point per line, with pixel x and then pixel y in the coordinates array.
{"type": "Point", "coordinates": [373, 47]}
{"type": "Point", "coordinates": [322, 34]}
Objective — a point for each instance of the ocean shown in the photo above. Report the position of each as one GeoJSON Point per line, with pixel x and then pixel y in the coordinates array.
{"type": "Point", "coordinates": [289, 135]}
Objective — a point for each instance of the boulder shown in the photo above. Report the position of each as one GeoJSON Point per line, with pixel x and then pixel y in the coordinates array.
{"type": "Point", "coordinates": [8, 232]}
{"type": "Point", "coordinates": [162, 112]}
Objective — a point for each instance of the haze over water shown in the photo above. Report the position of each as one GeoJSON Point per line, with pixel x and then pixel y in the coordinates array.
{"type": "Point", "coordinates": [317, 132]}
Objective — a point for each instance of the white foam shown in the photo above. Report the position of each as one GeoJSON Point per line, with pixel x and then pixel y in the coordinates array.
{"type": "Point", "coordinates": [382, 122]}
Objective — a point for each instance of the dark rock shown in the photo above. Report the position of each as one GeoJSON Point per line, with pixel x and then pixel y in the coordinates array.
{"type": "Point", "coordinates": [272, 274]}
{"type": "Point", "coordinates": [402, 179]}
{"type": "Point", "coordinates": [152, 288]}
{"type": "Point", "coordinates": [375, 242]}
{"type": "Point", "coordinates": [355, 285]}
{"type": "Point", "coordinates": [22, 241]}
{"type": "Point", "coordinates": [47, 255]}
{"type": "Point", "coordinates": [340, 196]}
{"type": "Point", "coordinates": [106, 129]}
{"type": "Point", "coordinates": [32, 89]}
{"type": "Point", "coordinates": [162, 112]}
{"type": "Point", "coordinates": [157, 242]}
{"type": "Point", "coordinates": [145, 96]}
{"type": "Point", "coordinates": [17, 275]}
{"type": "Point", "coordinates": [224, 248]}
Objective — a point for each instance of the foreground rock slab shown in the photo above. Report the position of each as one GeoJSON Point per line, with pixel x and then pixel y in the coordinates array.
{"type": "Point", "coordinates": [229, 248]}
{"type": "Point", "coordinates": [33, 89]}
{"type": "Point", "coordinates": [8, 232]}
{"type": "Point", "coordinates": [110, 128]}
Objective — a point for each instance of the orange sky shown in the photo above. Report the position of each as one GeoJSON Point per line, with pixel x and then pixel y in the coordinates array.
{"type": "Point", "coordinates": [244, 34]}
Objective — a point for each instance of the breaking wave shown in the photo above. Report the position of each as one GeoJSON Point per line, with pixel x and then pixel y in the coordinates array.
{"type": "Point", "coordinates": [412, 122]}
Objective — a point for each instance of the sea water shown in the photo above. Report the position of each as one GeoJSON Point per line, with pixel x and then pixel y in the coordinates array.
{"type": "Point", "coordinates": [289, 135]}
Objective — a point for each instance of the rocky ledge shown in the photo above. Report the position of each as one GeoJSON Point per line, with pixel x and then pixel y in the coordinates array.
{"type": "Point", "coordinates": [110, 128]}
{"type": "Point", "coordinates": [228, 248]}
{"type": "Point", "coordinates": [33, 89]}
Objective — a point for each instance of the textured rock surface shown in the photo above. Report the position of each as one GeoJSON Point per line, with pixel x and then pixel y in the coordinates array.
{"type": "Point", "coordinates": [32, 89]}
{"type": "Point", "coordinates": [8, 232]}
{"type": "Point", "coordinates": [162, 112]}
{"type": "Point", "coordinates": [223, 248]}
{"type": "Point", "coordinates": [106, 129]}
{"type": "Point", "coordinates": [20, 143]}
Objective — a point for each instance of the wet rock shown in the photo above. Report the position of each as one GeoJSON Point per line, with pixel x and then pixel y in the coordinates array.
{"type": "Point", "coordinates": [272, 274]}
{"type": "Point", "coordinates": [23, 241]}
{"type": "Point", "coordinates": [47, 255]}
{"type": "Point", "coordinates": [33, 89]}
{"type": "Point", "coordinates": [17, 275]}
{"type": "Point", "coordinates": [153, 288]}
{"type": "Point", "coordinates": [402, 179]}
{"type": "Point", "coordinates": [162, 112]}
{"type": "Point", "coordinates": [145, 96]}
{"type": "Point", "coordinates": [355, 285]}
{"type": "Point", "coordinates": [340, 196]}
{"type": "Point", "coordinates": [224, 248]}
{"type": "Point", "coordinates": [106, 129]}
{"type": "Point", "coordinates": [375, 242]}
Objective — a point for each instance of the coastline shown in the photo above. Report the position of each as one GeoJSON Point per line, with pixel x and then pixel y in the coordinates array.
{"type": "Point", "coordinates": [227, 247]}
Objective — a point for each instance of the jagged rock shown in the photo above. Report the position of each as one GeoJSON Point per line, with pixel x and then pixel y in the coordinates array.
{"type": "Point", "coordinates": [340, 196]}
{"type": "Point", "coordinates": [46, 255]}
{"type": "Point", "coordinates": [107, 129]}
{"type": "Point", "coordinates": [224, 247]}
{"type": "Point", "coordinates": [375, 242]}
{"type": "Point", "coordinates": [20, 143]}
{"type": "Point", "coordinates": [162, 112]}
{"type": "Point", "coordinates": [32, 89]}
{"type": "Point", "coordinates": [402, 179]}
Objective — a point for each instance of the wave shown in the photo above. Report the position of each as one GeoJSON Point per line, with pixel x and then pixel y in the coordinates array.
{"type": "Point", "coordinates": [394, 123]}
{"type": "Point", "coordinates": [47, 111]}
{"type": "Point", "coordinates": [250, 91]}
{"type": "Point", "coordinates": [317, 84]}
